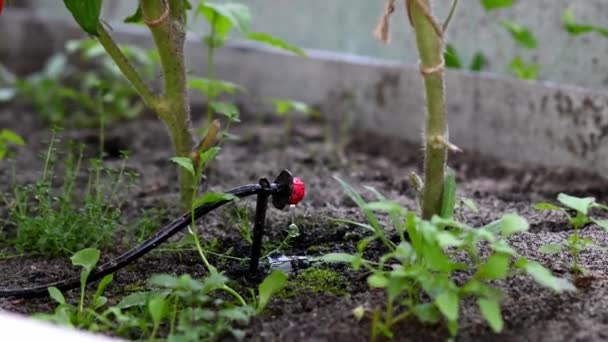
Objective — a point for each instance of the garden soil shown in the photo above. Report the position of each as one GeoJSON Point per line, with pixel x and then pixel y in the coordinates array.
{"type": "Point", "coordinates": [531, 313]}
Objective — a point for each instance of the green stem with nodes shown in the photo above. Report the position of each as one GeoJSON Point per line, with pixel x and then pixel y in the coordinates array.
{"type": "Point", "coordinates": [169, 36]}
{"type": "Point", "coordinates": [429, 39]}
{"type": "Point", "coordinates": [166, 21]}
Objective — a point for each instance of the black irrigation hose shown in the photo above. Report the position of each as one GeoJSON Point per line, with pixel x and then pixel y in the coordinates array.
{"type": "Point", "coordinates": [280, 190]}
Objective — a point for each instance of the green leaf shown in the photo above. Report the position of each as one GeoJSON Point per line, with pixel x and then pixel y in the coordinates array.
{"type": "Point", "coordinates": [490, 310]}
{"type": "Point", "coordinates": [240, 314]}
{"type": "Point", "coordinates": [157, 307]}
{"type": "Point", "coordinates": [495, 267]}
{"type": "Point", "coordinates": [223, 17]}
{"type": "Point", "coordinates": [478, 62]}
{"type": "Point", "coordinates": [56, 295]}
{"type": "Point", "coordinates": [105, 281]}
{"type": "Point", "coordinates": [523, 70]}
{"type": "Point", "coordinates": [426, 313]}
{"type": "Point", "coordinates": [521, 34]}
{"type": "Point", "coordinates": [213, 88]}
{"type": "Point", "coordinates": [283, 106]}
{"type": "Point", "coordinates": [136, 17]}
{"type": "Point", "coordinates": [544, 277]}
{"type": "Point", "coordinates": [275, 42]}
{"type": "Point", "coordinates": [185, 163]}
{"type": "Point", "coordinates": [377, 280]}
{"type": "Point", "coordinates": [551, 248]}
{"type": "Point", "coordinates": [87, 258]}
{"type": "Point", "coordinates": [495, 4]}
{"type": "Point", "coordinates": [580, 204]}
{"type": "Point", "coordinates": [602, 31]}
{"type": "Point", "coordinates": [209, 155]}
{"type": "Point", "coordinates": [86, 13]}
{"type": "Point", "coordinates": [447, 302]}
{"type": "Point", "coordinates": [385, 206]}
{"type": "Point", "coordinates": [273, 283]}
{"type": "Point", "coordinates": [447, 239]}
{"type": "Point", "coordinates": [502, 246]}
{"type": "Point", "coordinates": [572, 27]}
{"type": "Point", "coordinates": [135, 299]}
{"type": "Point", "coordinates": [448, 200]}
{"type": "Point", "coordinates": [214, 197]}
{"type": "Point", "coordinates": [452, 60]}
{"type": "Point", "coordinates": [512, 224]}
{"type": "Point", "coordinates": [469, 203]}
{"type": "Point", "coordinates": [214, 281]}
{"type": "Point", "coordinates": [356, 197]}
{"type": "Point", "coordinates": [337, 258]}
{"type": "Point", "coordinates": [99, 302]}
{"type": "Point", "coordinates": [601, 223]}
{"type": "Point", "coordinates": [11, 137]}
{"type": "Point", "coordinates": [227, 109]}
{"type": "Point", "coordinates": [546, 206]}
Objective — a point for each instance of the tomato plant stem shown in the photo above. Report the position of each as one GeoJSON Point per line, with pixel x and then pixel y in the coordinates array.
{"type": "Point", "coordinates": [169, 37]}
{"type": "Point", "coordinates": [430, 47]}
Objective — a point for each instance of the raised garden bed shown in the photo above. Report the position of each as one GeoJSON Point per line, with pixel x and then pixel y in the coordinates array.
{"type": "Point", "coordinates": [531, 313]}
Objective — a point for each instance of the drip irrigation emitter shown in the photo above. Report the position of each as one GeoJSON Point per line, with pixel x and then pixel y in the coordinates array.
{"type": "Point", "coordinates": [285, 190]}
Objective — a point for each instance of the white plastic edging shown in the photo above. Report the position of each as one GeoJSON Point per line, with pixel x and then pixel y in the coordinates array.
{"type": "Point", "coordinates": [16, 328]}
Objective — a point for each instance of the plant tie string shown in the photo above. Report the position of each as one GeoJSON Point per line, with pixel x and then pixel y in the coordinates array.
{"type": "Point", "coordinates": [382, 29]}
{"type": "Point", "coordinates": [432, 70]}
{"type": "Point", "coordinates": [161, 18]}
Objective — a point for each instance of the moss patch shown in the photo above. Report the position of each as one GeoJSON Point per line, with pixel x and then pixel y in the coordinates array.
{"type": "Point", "coordinates": [315, 280]}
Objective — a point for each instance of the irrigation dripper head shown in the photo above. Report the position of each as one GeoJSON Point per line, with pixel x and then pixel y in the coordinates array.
{"type": "Point", "coordinates": [291, 190]}
{"type": "Point", "coordinates": [297, 191]}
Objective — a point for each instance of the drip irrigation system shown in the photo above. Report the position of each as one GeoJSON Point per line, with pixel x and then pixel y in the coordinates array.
{"type": "Point", "coordinates": [285, 190]}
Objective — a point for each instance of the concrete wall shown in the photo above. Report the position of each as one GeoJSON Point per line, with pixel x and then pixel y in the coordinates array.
{"type": "Point", "coordinates": [346, 26]}
{"type": "Point", "coordinates": [541, 123]}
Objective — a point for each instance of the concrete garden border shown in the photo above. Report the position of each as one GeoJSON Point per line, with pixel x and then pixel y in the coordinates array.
{"type": "Point", "coordinates": [513, 120]}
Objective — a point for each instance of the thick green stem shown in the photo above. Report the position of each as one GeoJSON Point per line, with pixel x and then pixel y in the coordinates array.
{"type": "Point", "coordinates": [169, 35]}
{"type": "Point", "coordinates": [430, 48]}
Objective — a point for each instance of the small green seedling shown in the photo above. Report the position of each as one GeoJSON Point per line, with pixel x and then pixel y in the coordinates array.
{"type": "Point", "coordinates": [285, 108]}
{"type": "Point", "coordinates": [272, 284]}
{"type": "Point", "coordinates": [63, 94]}
{"type": "Point", "coordinates": [454, 61]}
{"type": "Point", "coordinates": [523, 70]}
{"type": "Point", "coordinates": [189, 308]}
{"type": "Point", "coordinates": [575, 28]}
{"type": "Point", "coordinates": [80, 316]}
{"type": "Point", "coordinates": [490, 5]}
{"type": "Point", "coordinates": [575, 244]}
{"type": "Point", "coordinates": [223, 19]}
{"type": "Point", "coordinates": [417, 270]}
{"type": "Point", "coordinates": [524, 38]}
{"type": "Point", "coordinates": [8, 139]}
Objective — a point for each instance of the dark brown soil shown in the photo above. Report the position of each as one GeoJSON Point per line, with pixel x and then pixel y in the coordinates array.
{"type": "Point", "coordinates": [531, 312]}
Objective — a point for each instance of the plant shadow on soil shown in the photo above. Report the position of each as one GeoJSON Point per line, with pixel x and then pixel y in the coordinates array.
{"type": "Point", "coordinates": [530, 312]}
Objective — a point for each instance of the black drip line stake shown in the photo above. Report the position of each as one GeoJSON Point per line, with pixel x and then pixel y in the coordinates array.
{"type": "Point", "coordinates": [258, 226]}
